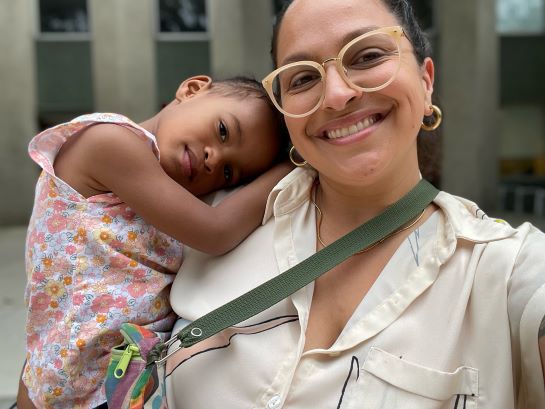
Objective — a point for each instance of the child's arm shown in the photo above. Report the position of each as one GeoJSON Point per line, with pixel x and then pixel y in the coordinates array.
{"type": "Point", "coordinates": [242, 211]}
{"type": "Point", "coordinates": [124, 164]}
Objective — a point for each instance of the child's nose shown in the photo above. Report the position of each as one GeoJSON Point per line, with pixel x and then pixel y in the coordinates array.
{"type": "Point", "coordinates": [212, 159]}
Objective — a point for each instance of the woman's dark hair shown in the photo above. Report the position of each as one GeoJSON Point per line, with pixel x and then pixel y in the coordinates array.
{"type": "Point", "coordinates": [428, 142]}
{"type": "Point", "coordinates": [401, 9]}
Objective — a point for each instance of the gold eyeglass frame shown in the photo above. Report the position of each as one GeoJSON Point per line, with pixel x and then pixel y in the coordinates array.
{"type": "Point", "coordinates": [395, 31]}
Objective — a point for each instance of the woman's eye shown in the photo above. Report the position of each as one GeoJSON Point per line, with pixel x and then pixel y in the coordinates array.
{"type": "Point", "coordinates": [368, 58]}
{"type": "Point", "coordinates": [303, 81]}
{"type": "Point", "coordinates": [223, 132]}
{"type": "Point", "coordinates": [228, 173]}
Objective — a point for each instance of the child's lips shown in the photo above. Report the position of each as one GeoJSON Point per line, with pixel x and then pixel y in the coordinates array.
{"type": "Point", "coordinates": [187, 163]}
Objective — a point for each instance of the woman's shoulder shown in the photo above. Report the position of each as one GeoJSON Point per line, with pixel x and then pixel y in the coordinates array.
{"type": "Point", "coordinates": [468, 218]}
{"type": "Point", "coordinates": [528, 272]}
{"type": "Point", "coordinates": [464, 219]}
{"type": "Point", "coordinates": [290, 193]}
{"type": "Point", "coordinates": [517, 251]}
{"type": "Point", "coordinates": [468, 221]}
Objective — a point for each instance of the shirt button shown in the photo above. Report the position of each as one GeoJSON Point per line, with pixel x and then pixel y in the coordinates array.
{"type": "Point", "coordinates": [274, 402]}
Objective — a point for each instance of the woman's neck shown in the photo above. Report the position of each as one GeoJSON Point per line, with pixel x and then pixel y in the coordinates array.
{"type": "Point", "coordinates": [350, 205]}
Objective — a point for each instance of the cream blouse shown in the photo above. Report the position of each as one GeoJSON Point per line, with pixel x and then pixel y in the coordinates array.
{"type": "Point", "coordinates": [452, 321]}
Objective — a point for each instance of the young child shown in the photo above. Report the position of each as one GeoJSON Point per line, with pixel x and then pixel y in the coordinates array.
{"type": "Point", "coordinates": [113, 205]}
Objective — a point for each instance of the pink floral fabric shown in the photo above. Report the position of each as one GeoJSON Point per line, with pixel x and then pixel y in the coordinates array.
{"type": "Point", "coordinates": [92, 264]}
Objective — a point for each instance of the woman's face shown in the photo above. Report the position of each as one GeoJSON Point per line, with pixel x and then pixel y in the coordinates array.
{"type": "Point", "coordinates": [391, 117]}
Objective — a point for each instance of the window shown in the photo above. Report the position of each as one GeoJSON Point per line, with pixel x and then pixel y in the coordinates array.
{"type": "Point", "coordinates": [520, 16]}
{"type": "Point", "coordinates": [182, 16]}
{"type": "Point", "coordinates": [63, 60]}
{"type": "Point", "coordinates": [63, 16]}
{"type": "Point", "coordinates": [182, 31]}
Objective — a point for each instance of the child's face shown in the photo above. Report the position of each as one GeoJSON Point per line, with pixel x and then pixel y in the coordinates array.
{"type": "Point", "coordinates": [210, 141]}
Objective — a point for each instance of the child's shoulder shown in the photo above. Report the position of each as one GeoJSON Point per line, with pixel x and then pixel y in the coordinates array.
{"type": "Point", "coordinates": [46, 147]}
{"type": "Point", "coordinates": [112, 129]}
{"type": "Point", "coordinates": [89, 124]}
{"type": "Point", "coordinates": [102, 138]}
{"type": "Point", "coordinates": [106, 132]}
{"type": "Point", "coordinates": [106, 117]}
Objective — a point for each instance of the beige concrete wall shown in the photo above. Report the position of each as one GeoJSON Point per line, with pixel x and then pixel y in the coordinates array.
{"type": "Point", "coordinates": [124, 78]}
{"type": "Point", "coordinates": [240, 34]}
{"type": "Point", "coordinates": [468, 46]}
{"type": "Point", "coordinates": [123, 55]}
{"type": "Point", "coordinates": [17, 110]}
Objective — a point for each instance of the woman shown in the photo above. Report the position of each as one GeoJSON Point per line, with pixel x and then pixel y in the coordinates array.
{"type": "Point", "coordinates": [445, 313]}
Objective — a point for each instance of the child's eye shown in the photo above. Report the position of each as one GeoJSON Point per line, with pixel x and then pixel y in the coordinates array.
{"type": "Point", "coordinates": [224, 133]}
{"type": "Point", "coordinates": [228, 173]}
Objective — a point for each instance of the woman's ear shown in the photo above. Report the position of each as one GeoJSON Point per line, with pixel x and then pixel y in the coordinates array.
{"type": "Point", "coordinates": [428, 76]}
{"type": "Point", "coordinates": [192, 86]}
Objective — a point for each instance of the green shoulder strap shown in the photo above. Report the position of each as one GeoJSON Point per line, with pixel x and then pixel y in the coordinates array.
{"type": "Point", "coordinates": [285, 284]}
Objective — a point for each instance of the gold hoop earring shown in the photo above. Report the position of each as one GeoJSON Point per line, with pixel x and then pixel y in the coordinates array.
{"type": "Point", "coordinates": [298, 164]}
{"type": "Point", "coordinates": [437, 115]}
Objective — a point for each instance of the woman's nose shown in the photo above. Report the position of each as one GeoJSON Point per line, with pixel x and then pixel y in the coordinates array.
{"type": "Point", "coordinates": [337, 92]}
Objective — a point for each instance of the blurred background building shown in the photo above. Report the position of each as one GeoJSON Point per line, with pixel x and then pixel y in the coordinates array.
{"type": "Point", "coordinates": [62, 58]}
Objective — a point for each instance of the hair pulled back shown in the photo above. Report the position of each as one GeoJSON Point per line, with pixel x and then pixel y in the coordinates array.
{"type": "Point", "coordinates": [428, 142]}
{"type": "Point", "coordinates": [401, 9]}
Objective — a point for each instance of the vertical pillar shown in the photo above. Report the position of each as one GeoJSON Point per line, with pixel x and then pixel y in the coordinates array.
{"type": "Point", "coordinates": [123, 54]}
{"type": "Point", "coordinates": [468, 48]}
{"type": "Point", "coordinates": [240, 32]}
{"type": "Point", "coordinates": [17, 110]}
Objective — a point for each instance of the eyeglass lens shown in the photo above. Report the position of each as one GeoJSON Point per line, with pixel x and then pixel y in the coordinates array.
{"type": "Point", "coordinates": [368, 64]}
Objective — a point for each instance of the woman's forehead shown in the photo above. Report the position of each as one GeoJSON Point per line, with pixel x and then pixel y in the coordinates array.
{"type": "Point", "coordinates": [328, 10]}
{"type": "Point", "coordinates": [310, 25]}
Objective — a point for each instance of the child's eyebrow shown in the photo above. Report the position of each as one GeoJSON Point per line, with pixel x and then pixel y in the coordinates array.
{"type": "Point", "coordinates": [238, 128]}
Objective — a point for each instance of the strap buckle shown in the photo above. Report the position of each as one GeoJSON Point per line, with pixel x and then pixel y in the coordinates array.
{"type": "Point", "coordinates": [166, 347]}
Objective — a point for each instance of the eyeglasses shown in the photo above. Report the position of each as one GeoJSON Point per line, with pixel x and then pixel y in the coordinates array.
{"type": "Point", "coordinates": [367, 63]}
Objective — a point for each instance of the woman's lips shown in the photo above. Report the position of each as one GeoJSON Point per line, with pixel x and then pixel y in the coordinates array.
{"type": "Point", "coordinates": [359, 126]}
{"type": "Point", "coordinates": [352, 124]}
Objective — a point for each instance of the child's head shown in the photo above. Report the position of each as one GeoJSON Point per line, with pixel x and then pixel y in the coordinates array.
{"type": "Point", "coordinates": [218, 134]}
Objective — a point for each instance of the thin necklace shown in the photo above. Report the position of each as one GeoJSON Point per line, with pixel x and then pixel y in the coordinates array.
{"type": "Point", "coordinates": [320, 218]}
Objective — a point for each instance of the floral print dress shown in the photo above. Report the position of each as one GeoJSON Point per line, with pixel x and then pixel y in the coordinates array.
{"type": "Point", "coordinates": [92, 264]}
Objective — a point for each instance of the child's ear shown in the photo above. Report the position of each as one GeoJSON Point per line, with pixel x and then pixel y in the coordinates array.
{"type": "Point", "coordinates": [192, 86]}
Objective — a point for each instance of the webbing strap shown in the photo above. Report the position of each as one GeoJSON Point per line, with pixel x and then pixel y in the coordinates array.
{"type": "Point", "coordinates": [285, 284]}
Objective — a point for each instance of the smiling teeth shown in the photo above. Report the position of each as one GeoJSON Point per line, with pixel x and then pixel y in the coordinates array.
{"type": "Point", "coordinates": [352, 129]}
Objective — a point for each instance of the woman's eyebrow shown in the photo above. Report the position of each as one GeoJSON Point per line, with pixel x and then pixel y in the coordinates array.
{"type": "Point", "coordinates": [295, 58]}
{"type": "Point", "coordinates": [353, 34]}
{"type": "Point", "coordinates": [344, 40]}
